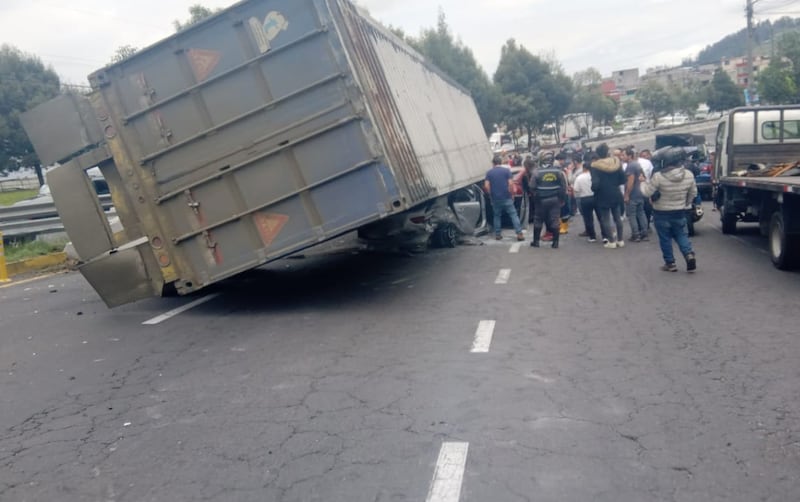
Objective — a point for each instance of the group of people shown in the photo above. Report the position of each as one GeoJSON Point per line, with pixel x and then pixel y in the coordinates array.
{"type": "Point", "coordinates": [603, 184]}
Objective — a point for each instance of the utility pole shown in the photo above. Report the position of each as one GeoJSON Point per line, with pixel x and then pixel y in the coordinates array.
{"type": "Point", "coordinates": [750, 76]}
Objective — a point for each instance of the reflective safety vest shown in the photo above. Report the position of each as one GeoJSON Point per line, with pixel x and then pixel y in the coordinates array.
{"type": "Point", "coordinates": [548, 183]}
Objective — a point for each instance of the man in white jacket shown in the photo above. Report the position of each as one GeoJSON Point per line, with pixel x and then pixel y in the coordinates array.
{"type": "Point", "coordinates": [672, 190]}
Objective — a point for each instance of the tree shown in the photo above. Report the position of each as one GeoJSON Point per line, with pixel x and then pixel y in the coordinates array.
{"type": "Point", "coordinates": [458, 62]}
{"type": "Point", "coordinates": [197, 13]}
{"type": "Point", "coordinates": [589, 97]}
{"type": "Point", "coordinates": [26, 83]}
{"type": "Point", "coordinates": [123, 52]}
{"type": "Point", "coordinates": [630, 108]}
{"type": "Point", "coordinates": [590, 78]}
{"type": "Point", "coordinates": [686, 100]}
{"type": "Point", "coordinates": [655, 99]}
{"type": "Point", "coordinates": [534, 91]}
{"type": "Point", "coordinates": [789, 48]}
{"type": "Point", "coordinates": [776, 84]}
{"type": "Point", "coordinates": [723, 93]}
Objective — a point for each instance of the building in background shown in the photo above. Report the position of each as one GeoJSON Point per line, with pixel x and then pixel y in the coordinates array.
{"type": "Point", "coordinates": [681, 77]}
{"type": "Point", "coordinates": [736, 68]}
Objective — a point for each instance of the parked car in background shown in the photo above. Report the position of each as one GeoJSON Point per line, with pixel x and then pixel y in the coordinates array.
{"type": "Point", "coordinates": [671, 120]}
{"type": "Point", "coordinates": [602, 132]}
{"type": "Point", "coordinates": [501, 141]}
{"type": "Point", "coordinates": [704, 180]}
{"type": "Point", "coordinates": [44, 196]}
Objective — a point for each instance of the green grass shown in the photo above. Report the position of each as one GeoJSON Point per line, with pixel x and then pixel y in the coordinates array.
{"type": "Point", "coordinates": [16, 251]}
{"type": "Point", "coordinates": [8, 198]}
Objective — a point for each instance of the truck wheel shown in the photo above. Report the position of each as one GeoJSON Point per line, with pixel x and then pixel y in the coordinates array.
{"type": "Point", "coordinates": [783, 249]}
{"type": "Point", "coordinates": [445, 236]}
{"type": "Point", "coordinates": [728, 221]}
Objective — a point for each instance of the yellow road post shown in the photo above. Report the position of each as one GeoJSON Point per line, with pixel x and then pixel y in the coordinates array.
{"type": "Point", "coordinates": [3, 269]}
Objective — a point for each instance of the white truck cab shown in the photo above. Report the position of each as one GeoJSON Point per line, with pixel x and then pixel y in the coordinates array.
{"type": "Point", "coordinates": [757, 168]}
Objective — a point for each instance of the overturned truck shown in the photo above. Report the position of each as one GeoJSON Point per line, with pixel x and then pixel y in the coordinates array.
{"type": "Point", "coordinates": [266, 129]}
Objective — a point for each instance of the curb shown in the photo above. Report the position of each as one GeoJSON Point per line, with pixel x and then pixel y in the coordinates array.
{"type": "Point", "coordinates": [36, 264]}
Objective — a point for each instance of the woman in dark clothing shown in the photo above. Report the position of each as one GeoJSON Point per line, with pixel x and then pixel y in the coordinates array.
{"type": "Point", "coordinates": [607, 176]}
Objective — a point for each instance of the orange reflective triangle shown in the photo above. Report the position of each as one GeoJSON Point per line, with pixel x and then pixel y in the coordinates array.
{"type": "Point", "coordinates": [269, 226]}
{"type": "Point", "coordinates": [203, 62]}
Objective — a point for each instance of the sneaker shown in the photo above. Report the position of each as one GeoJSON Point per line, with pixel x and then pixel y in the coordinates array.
{"type": "Point", "coordinates": [691, 262]}
{"type": "Point", "coordinates": [669, 267]}
{"type": "Point", "coordinates": [498, 237]}
{"type": "Point", "coordinates": [547, 237]}
{"type": "Point", "coordinates": [605, 241]}
{"type": "Point", "coordinates": [534, 244]}
{"type": "Point", "coordinates": [620, 244]}
{"type": "Point", "coordinates": [645, 238]}
{"type": "Point", "coordinates": [636, 239]}
{"type": "Point", "coordinates": [592, 239]}
{"type": "Point", "coordinates": [610, 245]}
{"type": "Point", "coordinates": [520, 237]}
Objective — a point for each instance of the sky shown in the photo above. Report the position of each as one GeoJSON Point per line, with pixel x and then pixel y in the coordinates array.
{"type": "Point", "coordinates": [77, 37]}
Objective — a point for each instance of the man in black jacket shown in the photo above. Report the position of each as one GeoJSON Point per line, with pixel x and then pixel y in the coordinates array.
{"type": "Point", "coordinates": [607, 176]}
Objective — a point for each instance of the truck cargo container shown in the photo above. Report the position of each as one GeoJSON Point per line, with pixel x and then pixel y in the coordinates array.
{"type": "Point", "coordinates": [267, 128]}
{"type": "Point", "coordinates": [758, 171]}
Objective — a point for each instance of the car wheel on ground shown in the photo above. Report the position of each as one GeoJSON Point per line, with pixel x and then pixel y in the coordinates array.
{"type": "Point", "coordinates": [445, 236]}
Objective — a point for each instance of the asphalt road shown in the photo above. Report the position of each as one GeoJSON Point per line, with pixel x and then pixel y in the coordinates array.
{"type": "Point", "coordinates": [647, 139]}
{"type": "Point", "coordinates": [352, 377]}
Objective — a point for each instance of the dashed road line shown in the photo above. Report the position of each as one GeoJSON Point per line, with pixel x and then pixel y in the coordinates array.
{"type": "Point", "coordinates": [449, 474]}
{"type": "Point", "coordinates": [483, 337]}
{"type": "Point", "coordinates": [172, 313]}
{"type": "Point", "coordinates": [515, 248]}
{"type": "Point", "coordinates": [503, 276]}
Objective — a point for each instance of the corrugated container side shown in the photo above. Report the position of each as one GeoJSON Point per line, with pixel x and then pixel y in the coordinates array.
{"type": "Point", "coordinates": [429, 125]}
{"type": "Point", "coordinates": [273, 126]}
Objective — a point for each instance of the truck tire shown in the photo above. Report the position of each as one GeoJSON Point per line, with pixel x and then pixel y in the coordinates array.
{"type": "Point", "coordinates": [783, 249]}
{"type": "Point", "coordinates": [728, 221]}
{"type": "Point", "coordinates": [445, 236]}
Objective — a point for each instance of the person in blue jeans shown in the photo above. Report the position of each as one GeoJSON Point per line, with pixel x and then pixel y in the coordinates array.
{"type": "Point", "coordinates": [672, 191]}
{"type": "Point", "coordinates": [498, 186]}
{"type": "Point", "coordinates": [634, 200]}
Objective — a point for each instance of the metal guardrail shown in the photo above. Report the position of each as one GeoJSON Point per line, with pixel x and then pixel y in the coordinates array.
{"type": "Point", "coordinates": [9, 185]}
{"type": "Point", "coordinates": [38, 218]}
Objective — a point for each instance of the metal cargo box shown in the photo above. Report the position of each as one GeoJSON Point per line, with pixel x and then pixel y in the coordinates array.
{"type": "Point", "coordinates": [272, 126]}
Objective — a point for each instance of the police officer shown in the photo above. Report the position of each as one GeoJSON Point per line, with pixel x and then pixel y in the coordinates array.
{"type": "Point", "coordinates": [549, 190]}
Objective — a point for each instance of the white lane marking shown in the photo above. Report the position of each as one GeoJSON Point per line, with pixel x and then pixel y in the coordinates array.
{"type": "Point", "coordinates": [483, 337]}
{"type": "Point", "coordinates": [515, 248]}
{"type": "Point", "coordinates": [172, 313]}
{"type": "Point", "coordinates": [503, 276]}
{"type": "Point", "coordinates": [26, 281]}
{"type": "Point", "coordinates": [449, 473]}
